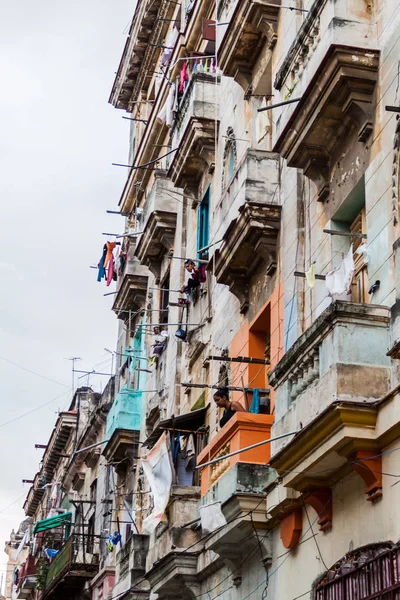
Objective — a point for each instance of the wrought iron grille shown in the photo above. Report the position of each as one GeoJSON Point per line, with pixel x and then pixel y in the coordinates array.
{"type": "Point", "coordinates": [376, 579]}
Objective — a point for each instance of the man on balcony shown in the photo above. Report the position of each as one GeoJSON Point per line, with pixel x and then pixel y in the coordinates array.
{"type": "Point", "coordinates": [230, 407]}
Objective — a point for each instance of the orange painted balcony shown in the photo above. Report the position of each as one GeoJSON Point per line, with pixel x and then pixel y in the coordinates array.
{"type": "Point", "coordinates": [244, 429]}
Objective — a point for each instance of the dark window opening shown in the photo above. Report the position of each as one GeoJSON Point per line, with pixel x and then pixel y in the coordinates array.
{"type": "Point", "coordinates": [164, 298]}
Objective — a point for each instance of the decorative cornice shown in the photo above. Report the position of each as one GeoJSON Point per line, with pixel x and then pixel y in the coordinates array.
{"type": "Point", "coordinates": [249, 241]}
{"type": "Point", "coordinates": [252, 26]}
{"type": "Point", "coordinates": [334, 418]}
{"type": "Point", "coordinates": [340, 94]}
{"type": "Point", "coordinates": [131, 295]}
{"type": "Point", "coordinates": [157, 239]}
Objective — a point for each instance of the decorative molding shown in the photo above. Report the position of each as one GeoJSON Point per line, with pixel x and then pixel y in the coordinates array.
{"type": "Point", "coordinates": [320, 499]}
{"type": "Point", "coordinates": [157, 240]}
{"type": "Point", "coordinates": [340, 95]}
{"type": "Point", "coordinates": [395, 173]}
{"type": "Point", "coordinates": [252, 29]}
{"type": "Point", "coordinates": [302, 46]}
{"type": "Point", "coordinates": [291, 526]}
{"type": "Point", "coordinates": [131, 295]}
{"type": "Point", "coordinates": [249, 242]}
{"type": "Point", "coordinates": [368, 464]}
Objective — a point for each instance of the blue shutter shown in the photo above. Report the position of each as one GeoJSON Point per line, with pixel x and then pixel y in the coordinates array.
{"type": "Point", "coordinates": [203, 221]}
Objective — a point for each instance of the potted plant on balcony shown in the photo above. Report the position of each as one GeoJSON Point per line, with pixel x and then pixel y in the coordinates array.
{"type": "Point", "coordinates": [42, 570]}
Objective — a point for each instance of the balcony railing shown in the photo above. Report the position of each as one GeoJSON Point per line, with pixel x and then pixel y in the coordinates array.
{"type": "Point", "coordinates": [27, 579]}
{"type": "Point", "coordinates": [158, 223]}
{"type": "Point", "coordinates": [242, 430]}
{"type": "Point", "coordinates": [375, 579]}
{"type": "Point", "coordinates": [195, 130]}
{"type": "Point", "coordinates": [77, 561]}
{"type": "Point", "coordinates": [334, 354]}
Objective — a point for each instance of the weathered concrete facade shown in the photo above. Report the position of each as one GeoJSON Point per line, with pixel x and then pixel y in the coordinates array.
{"type": "Point", "coordinates": [264, 201]}
{"type": "Point", "coordinates": [277, 183]}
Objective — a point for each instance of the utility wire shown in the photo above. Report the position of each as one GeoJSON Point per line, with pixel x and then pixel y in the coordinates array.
{"type": "Point", "coordinates": [29, 412]}
{"type": "Point", "coordinates": [33, 372]}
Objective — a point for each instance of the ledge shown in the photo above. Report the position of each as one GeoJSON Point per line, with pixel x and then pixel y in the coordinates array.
{"type": "Point", "coordinates": [340, 96]}
{"type": "Point", "coordinates": [242, 430]}
{"type": "Point", "coordinates": [131, 295]}
{"type": "Point", "coordinates": [252, 27]}
{"type": "Point", "coordinates": [157, 239]}
{"type": "Point", "coordinates": [194, 132]}
{"type": "Point", "coordinates": [249, 241]}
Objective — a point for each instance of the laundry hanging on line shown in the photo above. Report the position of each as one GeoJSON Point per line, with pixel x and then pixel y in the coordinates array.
{"type": "Point", "coordinates": [310, 276]}
{"type": "Point", "coordinates": [102, 270]}
{"type": "Point", "coordinates": [339, 280]}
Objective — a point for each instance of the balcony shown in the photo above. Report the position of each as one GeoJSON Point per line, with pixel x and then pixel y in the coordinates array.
{"type": "Point", "coordinates": [123, 424]}
{"type": "Point", "coordinates": [171, 569]}
{"type": "Point", "coordinates": [241, 493]}
{"type": "Point", "coordinates": [73, 566]}
{"type": "Point", "coordinates": [337, 105]}
{"type": "Point", "coordinates": [195, 131]}
{"type": "Point", "coordinates": [331, 362]}
{"type": "Point", "coordinates": [131, 566]}
{"type": "Point", "coordinates": [27, 579]}
{"type": "Point", "coordinates": [131, 294]}
{"type": "Point", "coordinates": [251, 34]}
{"type": "Point", "coordinates": [329, 387]}
{"type": "Point", "coordinates": [65, 425]}
{"type": "Point", "coordinates": [158, 223]}
{"type": "Point", "coordinates": [242, 430]}
{"type": "Point", "coordinates": [249, 242]}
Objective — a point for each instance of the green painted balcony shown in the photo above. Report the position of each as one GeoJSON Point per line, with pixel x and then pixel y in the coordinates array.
{"type": "Point", "coordinates": [75, 564]}
{"type": "Point", "coordinates": [123, 423]}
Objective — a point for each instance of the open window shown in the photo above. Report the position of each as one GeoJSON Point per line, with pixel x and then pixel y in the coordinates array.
{"type": "Point", "coordinates": [350, 218]}
{"type": "Point", "coordinates": [359, 290]}
{"type": "Point", "coordinates": [260, 347]}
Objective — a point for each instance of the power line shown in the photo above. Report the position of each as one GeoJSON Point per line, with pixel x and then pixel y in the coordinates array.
{"type": "Point", "coordinates": [34, 409]}
{"type": "Point", "coordinates": [12, 504]}
{"type": "Point", "coordinates": [32, 372]}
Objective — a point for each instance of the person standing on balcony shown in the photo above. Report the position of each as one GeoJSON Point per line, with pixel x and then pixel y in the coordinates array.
{"type": "Point", "coordinates": [197, 276]}
{"type": "Point", "coordinates": [230, 407]}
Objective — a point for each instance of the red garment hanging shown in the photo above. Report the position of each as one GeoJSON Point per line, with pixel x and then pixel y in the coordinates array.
{"type": "Point", "coordinates": [183, 77]}
{"type": "Point", "coordinates": [110, 271]}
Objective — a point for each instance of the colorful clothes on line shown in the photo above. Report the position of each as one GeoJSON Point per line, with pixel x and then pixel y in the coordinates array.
{"type": "Point", "coordinates": [102, 270]}
{"type": "Point", "coordinates": [110, 249]}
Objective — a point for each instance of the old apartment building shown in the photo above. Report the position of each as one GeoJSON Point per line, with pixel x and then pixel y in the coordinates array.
{"type": "Point", "coordinates": [260, 253]}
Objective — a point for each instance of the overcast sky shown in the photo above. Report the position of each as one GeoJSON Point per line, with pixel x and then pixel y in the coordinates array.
{"type": "Point", "coordinates": [58, 138]}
